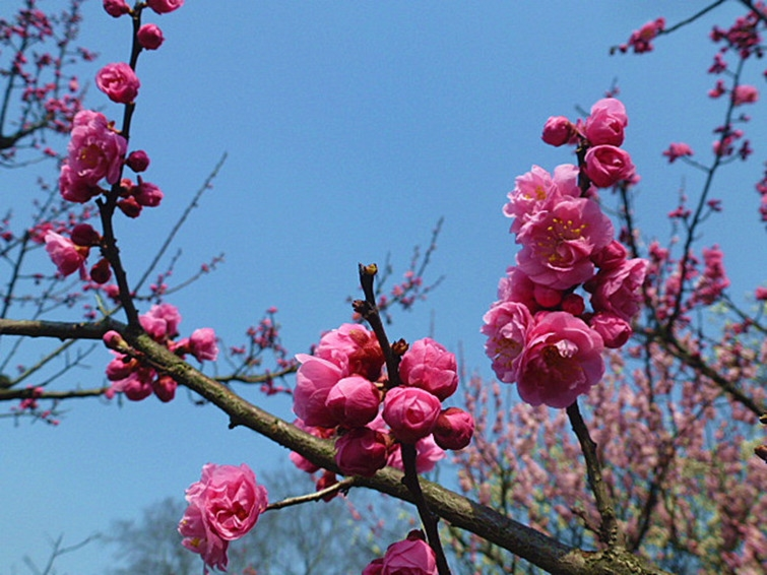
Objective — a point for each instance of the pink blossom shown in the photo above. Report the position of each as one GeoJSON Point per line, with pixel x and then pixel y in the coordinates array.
{"type": "Point", "coordinates": [94, 150]}
{"type": "Point", "coordinates": [74, 189]}
{"type": "Point", "coordinates": [607, 165]}
{"type": "Point", "coordinates": [557, 131]}
{"type": "Point", "coordinates": [161, 321]}
{"type": "Point", "coordinates": [454, 428]}
{"type": "Point", "coordinates": [641, 40]}
{"type": "Point", "coordinates": [147, 194]}
{"type": "Point", "coordinates": [164, 388]}
{"type": "Point", "coordinates": [558, 243]}
{"type": "Point", "coordinates": [119, 82]}
{"type": "Point", "coordinates": [761, 293]}
{"type": "Point", "coordinates": [744, 94]}
{"type": "Point", "coordinates": [202, 344]}
{"type": "Point", "coordinates": [137, 385]}
{"type": "Point", "coordinates": [116, 8]}
{"type": "Point", "coordinates": [412, 556]}
{"type": "Point", "coordinates": [615, 331]}
{"type": "Point", "coordinates": [353, 401]}
{"type": "Point", "coordinates": [375, 567]}
{"type": "Point", "coordinates": [677, 150]}
{"type": "Point", "coordinates": [164, 6]}
{"type": "Point", "coordinates": [354, 349]}
{"type": "Point", "coordinates": [138, 161]}
{"type": "Point", "coordinates": [428, 365]}
{"type": "Point", "coordinates": [230, 498]}
{"type": "Point", "coordinates": [506, 326]}
{"type": "Point", "coordinates": [537, 190]}
{"type": "Point", "coordinates": [198, 537]}
{"type": "Point", "coordinates": [618, 290]}
{"type": "Point", "coordinates": [150, 36]}
{"type": "Point", "coordinates": [561, 360]}
{"type": "Point", "coordinates": [410, 412]}
{"type": "Point", "coordinates": [428, 453]}
{"type": "Point", "coordinates": [314, 380]}
{"type": "Point", "coordinates": [66, 256]}
{"type": "Point", "coordinates": [361, 451]}
{"type": "Point", "coordinates": [611, 256]}
{"type": "Point", "coordinates": [606, 123]}
{"type": "Point", "coordinates": [517, 286]}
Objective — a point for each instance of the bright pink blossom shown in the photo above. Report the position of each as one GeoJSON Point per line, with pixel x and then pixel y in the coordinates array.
{"type": "Point", "coordinates": [74, 189]}
{"type": "Point", "coordinates": [557, 243]}
{"type": "Point", "coordinates": [506, 326]}
{"type": "Point", "coordinates": [677, 150]}
{"type": "Point", "coordinates": [428, 453]}
{"type": "Point", "coordinates": [119, 82]}
{"type": "Point", "coordinates": [561, 360]}
{"type": "Point", "coordinates": [314, 380]}
{"type": "Point", "coordinates": [164, 387]}
{"type": "Point", "coordinates": [354, 349]}
{"type": "Point", "coordinates": [615, 331]}
{"type": "Point", "coordinates": [618, 290]}
{"type": "Point", "coordinates": [557, 131]}
{"type": "Point", "coordinates": [744, 94]}
{"type": "Point", "coordinates": [198, 537]}
{"type": "Point", "coordinates": [412, 556]}
{"type": "Point", "coordinates": [410, 412]}
{"type": "Point", "coordinates": [95, 151]}
{"type": "Point", "coordinates": [161, 321]}
{"type": "Point", "coordinates": [147, 194]}
{"type": "Point", "coordinates": [606, 123]}
{"type": "Point", "coordinates": [150, 36]}
{"type": "Point", "coordinates": [607, 165]}
{"type": "Point", "coordinates": [361, 451]}
{"type": "Point", "coordinates": [202, 344]}
{"type": "Point", "coordinates": [66, 256]}
{"type": "Point", "coordinates": [454, 428]}
{"type": "Point", "coordinates": [353, 401]}
{"type": "Point", "coordinates": [537, 190]}
{"type": "Point", "coordinates": [375, 567]}
{"type": "Point", "coordinates": [517, 286]}
{"type": "Point", "coordinates": [164, 6]}
{"type": "Point", "coordinates": [428, 365]}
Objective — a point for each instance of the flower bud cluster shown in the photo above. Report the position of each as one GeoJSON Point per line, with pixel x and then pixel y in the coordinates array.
{"type": "Point", "coordinates": [223, 506]}
{"type": "Point", "coordinates": [342, 390]}
{"type": "Point", "coordinates": [138, 381]}
{"type": "Point", "coordinates": [540, 333]}
{"type": "Point", "coordinates": [411, 556]}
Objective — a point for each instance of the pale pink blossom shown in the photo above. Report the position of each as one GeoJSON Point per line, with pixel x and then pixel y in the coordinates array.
{"type": "Point", "coordinates": [410, 412]}
{"type": "Point", "coordinates": [744, 94]}
{"type": "Point", "coordinates": [557, 131]}
{"type": "Point", "coordinates": [557, 243]}
{"type": "Point", "coordinates": [150, 36]}
{"type": "Point", "coordinates": [561, 360]}
{"type": "Point", "coordinates": [119, 82]}
{"type": "Point", "coordinates": [361, 451]}
{"type": "Point", "coordinates": [314, 380]}
{"type": "Point", "coordinates": [606, 122]}
{"type": "Point", "coordinates": [202, 344]}
{"type": "Point", "coordinates": [353, 401]}
{"type": "Point", "coordinates": [606, 165]}
{"type": "Point", "coordinates": [66, 256]}
{"type": "Point", "coordinates": [677, 150]}
{"type": "Point", "coordinates": [164, 6]}
{"type": "Point", "coordinates": [428, 365]}
{"type": "Point", "coordinates": [161, 321]}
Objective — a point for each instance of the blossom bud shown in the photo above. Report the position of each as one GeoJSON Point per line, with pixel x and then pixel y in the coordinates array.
{"type": "Point", "coordinates": [412, 556]}
{"type": "Point", "coordinates": [116, 8]}
{"type": "Point", "coordinates": [147, 194]}
{"type": "Point", "coordinates": [361, 451]}
{"type": "Point", "coordinates": [150, 36]}
{"type": "Point", "coordinates": [454, 428]}
{"type": "Point", "coordinates": [354, 401]}
{"type": "Point", "coordinates": [84, 235]}
{"type": "Point", "coordinates": [119, 82]}
{"type": "Point", "coordinates": [611, 256]}
{"type": "Point", "coordinates": [615, 331]}
{"type": "Point", "coordinates": [314, 380]}
{"type": "Point", "coordinates": [130, 207]}
{"type": "Point", "coordinates": [607, 165]}
{"type": "Point", "coordinates": [164, 6]}
{"type": "Point", "coordinates": [202, 344]}
{"type": "Point", "coordinates": [557, 131]}
{"type": "Point", "coordinates": [573, 304]}
{"type": "Point", "coordinates": [164, 388]}
{"type": "Point", "coordinates": [326, 480]}
{"type": "Point", "coordinates": [138, 161]}
{"type": "Point", "coordinates": [100, 272]}
{"type": "Point", "coordinates": [411, 413]}
{"type": "Point", "coordinates": [546, 296]}
{"type": "Point", "coordinates": [113, 340]}
{"type": "Point", "coordinates": [429, 366]}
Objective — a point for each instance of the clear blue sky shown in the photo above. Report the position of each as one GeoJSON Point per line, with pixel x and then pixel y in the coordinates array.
{"type": "Point", "coordinates": [351, 127]}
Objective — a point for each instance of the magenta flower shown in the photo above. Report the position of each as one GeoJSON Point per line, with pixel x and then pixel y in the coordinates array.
{"type": "Point", "coordinates": [558, 243]}
{"type": "Point", "coordinates": [428, 365]}
{"type": "Point", "coordinates": [314, 380]}
{"type": "Point", "coordinates": [150, 36]}
{"type": "Point", "coordinates": [744, 94]}
{"type": "Point", "coordinates": [506, 327]}
{"type": "Point", "coordinates": [606, 123]}
{"type": "Point", "coordinates": [561, 360]}
{"type": "Point", "coordinates": [618, 290]}
{"type": "Point", "coordinates": [412, 556]}
{"type": "Point", "coordinates": [676, 151]}
{"type": "Point", "coordinates": [147, 194]}
{"type": "Point", "coordinates": [202, 344]}
{"type": "Point", "coordinates": [607, 165]}
{"type": "Point", "coordinates": [119, 82]}
{"type": "Point", "coordinates": [353, 401]}
{"type": "Point", "coordinates": [411, 413]}
{"type": "Point", "coordinates": [361, 451]}
{"type": "Point", "coordinates": [116, 8]}
{"type": "Point", "coordinates": [454, 428]}
{"type": "Point", "coordinates": [354, 349]}
{"type": "Point", "coordinates": [161, 321]}
{"type": "Point", "coordinates": [164, 6]}
{"type": "Point", "coordinates": [94, 152]}
{"type": "Point", "coordinates": [74, 189]}
{"type": "Point", "coordinates": [66, 256]}
{"type": "Point", "coordinates": [557, 131]}
{"type": "Point", "coordinates": [615, 331]}
{"type": "Point", "coordinates": [199, 538]}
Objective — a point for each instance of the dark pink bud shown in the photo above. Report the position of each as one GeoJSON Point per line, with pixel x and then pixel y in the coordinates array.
{"type": "Point", "coordinates": [130, 207]}
{"type": "Point", "coordinates": [428, 365]}
{"type": "Point", "coordinates": [361, 451]}
{"type": "Point", "coordinates": [147, 194]}
{"type": "Point", "coordinates": [557, 131]}
{"type": "Point", "coordinates": [84, 235]}
{"type": "Point", "coordinates": [607, 165]}
{"type": "Point", "coordinates": [573, 304]}
{"type": "Point", "coordinates": [546, 296]}
{"type": "Point", "coordinates": [611, 256]}
{"type": "Point", "coordinates": [150, 36]}
{"type": "Point", "coordinates": [101, 272]}
{"type": "Point", "coordinates": [454, 428]}
{"type": "Point", "coordinates": [615, 331]}
{"type": "Point", "coordinates": [138, 161]}
{"type": "Point", "coordinates": [354, 401]}
{"type": "Point", "coordinates": [116, 8]}
{"type": "Point", "coordinates": [326, 480]}
{"type": "Point", "coordinates": [164, 388]}
{"type": "Point", "coordinates": [411, 413]}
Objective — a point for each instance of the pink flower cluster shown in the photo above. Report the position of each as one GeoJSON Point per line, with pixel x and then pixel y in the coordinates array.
{"type": "Point", "coordinates": [641, 40]}
{"type": "Point", "coordinates": [136, 380]}
{"type": "Point", "coordinates": [342, 390]}
{"type": "Point", "coordinates": [69, 254]}
{"type": "Point", "coordinates": [540, 334]}
{"type": "Point", "coordinates": [411, 556]}
{"type": "Point", "coordinates": [223, 506]}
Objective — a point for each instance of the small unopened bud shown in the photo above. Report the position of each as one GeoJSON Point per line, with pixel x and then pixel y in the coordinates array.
{"type": "Point", "coordinates": [100, 272]}
{"type": "Point", "coordinates": [399, 347]}
{"type": "Point", "coordinates": [114, 340]}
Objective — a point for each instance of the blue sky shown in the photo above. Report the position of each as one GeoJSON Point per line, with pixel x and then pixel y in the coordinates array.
{"type": "Point", "coordinates": [350, 129]}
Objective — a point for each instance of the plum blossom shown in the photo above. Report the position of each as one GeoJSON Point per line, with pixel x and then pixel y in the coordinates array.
{"type": "Point", "coordinates": [150, 36]}
{"type": "Point", "coordinates": [537, 190]}
{"type": "Point", "coordinates": [353, 401]}
{"type": "Point", "coordinates": [506, 326]}
{"type": "Point", "coordinates": [744, 94]}
{"type": "Point", "coordinates": [454, 428]}
{"type": "Point", "coordinates": [314, 380]}
{"type": "Point", "coordinates": [606, 122]}
{"type": "Point", "coordinates": [116, 8]}
{"type": "Point", "coordinates": [119, 82]}
{"type": "Point", "coordinates": [411, 413]}
{"type": "Point", "coordinates": [202, 344]}
{"type": "Point", "coordinates": [618, 290]}
{"type": "Point", "coordinates": [676, 151]}
{"type": "Point", "coordinates": [361, 451]}
{"type": "Point", "coordinates": [606, 165]}
{"type": "Point", "coordinates": [412, 556]}
{"type": "Point", "coordinates": [428, 365]}
{"type": "Point", "coordinates": [557, 131]}
{"type": "Point", "coordinates": [164, 6]}
{"type": "Point", "coordinates": [67, 257]}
